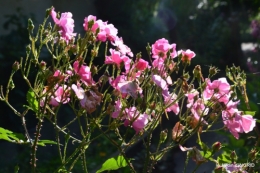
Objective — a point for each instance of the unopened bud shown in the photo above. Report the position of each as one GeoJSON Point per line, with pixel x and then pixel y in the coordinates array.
{"type": "Point", "coordinates": [16, 66]}
{"type": "Point", "coordinates": [138, 55]}
{"type": "Point", "coordinates": [42, 65]}
{"type": "Point", "coordinates": [90, 24]}
{"type": "Point", "coordinates": [213, 71]}
{"type": "Point", "coordinates": [48, 12]}
{"type": "Point", "coordinates": [30, 25]}
{"type": "Point", "coordinates": [28, 49]}
{"type": "Point", "coordinates": [163, 136]}
{"type": "Point", "coordinates": [148, 48]}
{"type": "Point", "coordinates": [218, 169]}
{"type": "Point", "coordinates": [252, 154]}
{"type": "Point", "coordinates": [197, 72]}
{"type": "Point", "coordinates": [233, 156]}
{"type": "Point", "coordinates": [94, 70]}
{"type": "Point", "coordinates": [216, 147]}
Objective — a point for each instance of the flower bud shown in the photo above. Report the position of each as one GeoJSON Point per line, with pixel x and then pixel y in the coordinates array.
{"type": "Point", "coordinates": [28, 49]}
{"type": "Point", "coordinates": [43, 65]}
{"type": "Point", "coordinates": [148, 48]}
{"type": "Point", "coordinates": [252, 154]}
{"type": "Point", "coordinates": [16, 66]}
{"type": "Point", "coordinates": [48, 12]}
{"type": "Point", "coordinates": [213, 71]}
{"type": "Point", "coordinates": [218, 169]}
{"type": "Point", "coordinates": [138, 56]}
{"type": "Point", "coordinates": [233, 156]}
{"type": "Point", "coordinates": [163, 136]}
{"type": "Point", "coordinates": [30, 25]}
{"type": "Point", "coordinates": [197, 73]}
{"type": "Point", "coordinates": [216, 147]}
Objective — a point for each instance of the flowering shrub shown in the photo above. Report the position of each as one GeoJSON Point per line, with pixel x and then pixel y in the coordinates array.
{"type": "Point", "coordinates": [134, 94]}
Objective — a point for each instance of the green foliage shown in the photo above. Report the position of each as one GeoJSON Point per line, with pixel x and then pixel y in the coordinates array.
{"type": "Point", "coordinates": [11, 136]}
{"type": "Point", "coordinates": [113, 164]}
{"type": "Point", "coordinates": [32, 100]}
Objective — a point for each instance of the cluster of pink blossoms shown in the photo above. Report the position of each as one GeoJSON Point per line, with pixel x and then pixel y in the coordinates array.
{"type": "Point", "coordinates": [217, 93]}
{"type": "Point", "coordinates": [88, 99]}
{"type": "Point", "coordinates": [128, 82]}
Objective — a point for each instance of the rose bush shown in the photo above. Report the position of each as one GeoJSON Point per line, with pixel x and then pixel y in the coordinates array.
{"type": "Point", "coordinates": [126, 96]}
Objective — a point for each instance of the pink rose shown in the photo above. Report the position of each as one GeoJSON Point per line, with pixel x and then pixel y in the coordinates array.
{"type": "Point", "coordinates": [65, 24]}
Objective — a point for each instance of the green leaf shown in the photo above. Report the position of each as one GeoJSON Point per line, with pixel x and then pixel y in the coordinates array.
{"type": "Point", "coordinates": [249, 113]}
{"type": "Point", "coordinates": [16, 169]}
{"type": "Point", "coordinates": [11, 136]}
{"type": "Point", "coordinates": [31, 99]}
{"type": "Point", "coordinates": [224, 158]}
{"type": "Point", "coordinates": [43, 142]}
{"type": "Point", "coordinates": [113, 164]}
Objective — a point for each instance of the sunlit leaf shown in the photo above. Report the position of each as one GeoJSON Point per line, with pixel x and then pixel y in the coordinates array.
{"type": "Point", "coordinates": [113, 164]}
{"type": "Point", "coordinates": [43, 142]}
{"type": "Point", "coordinates": [11, 136]}
{"type": "Point", "coordinates": [31, 99]}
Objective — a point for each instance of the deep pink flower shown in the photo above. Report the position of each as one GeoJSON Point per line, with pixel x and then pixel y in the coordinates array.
{"type": "Point", "coordinates": [84, 73]}
{"type": "Point", "coordinates": [95, 25]}
{"type": "Point", "coordinates": [137, 120]}
{"type": "Point", "coordinates": [142, 65]}
{"type": "Point", "coordinates": [114, 58]}
{"type": "Point", "coordinates": [65, 24]}
{"type": "Point", "coordinates": [61, 95]}
{"type": "Point", "coordinates": [161, 47]}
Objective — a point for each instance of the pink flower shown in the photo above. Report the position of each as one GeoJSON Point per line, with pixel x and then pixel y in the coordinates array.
{"type": "Point", "coordinates": [116, 58]}
{"type": "Point", "coordinates": [125, 86]}
{"type": "Point", "coordinates": [193, 93]}
{"type": "Point", "coordinates": [158, 64]}
{"type": "Point", "coordinates": [161, 47]}
{"type": "Point", "coordinates": [160, 82]}
{"type": "Point", "coordinates": [80, 93]}
{"type": "Point", "coordinates": [118, 110]}
{"type": "Point", "coordinates": [234, 168]}
{"type": "Point", "coordinates": [142, 65]}
{"type": "Point", "coordinates": [84, 73]}
{"type": "Point", "coordinates": [129, 87]}
{"type": "Point", "coordinates": [65, 24]}
{"type": "Point", "coordinates": [218, 89]}
{"type": "Point", "coordinates": [61, 95]}
{"type": "Point", "coordinates": [198, 110]}
{"type": "Point", "coordinates": [186, 55]}
{"type": "Point", "coordinates": [107, 32]}
{"type": "Point", "coordinates": [91, 100]}
{"type": "Point", "coordinates": [88, 19]}
{"type": "Point", "coordinates": [170, 102]}
{"type": "Point", "coordinates": [123, 49]}
{"type": "Point", "coordinates": [236, 122]}
{"type": "Point", "coordinates": [135, 119]}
